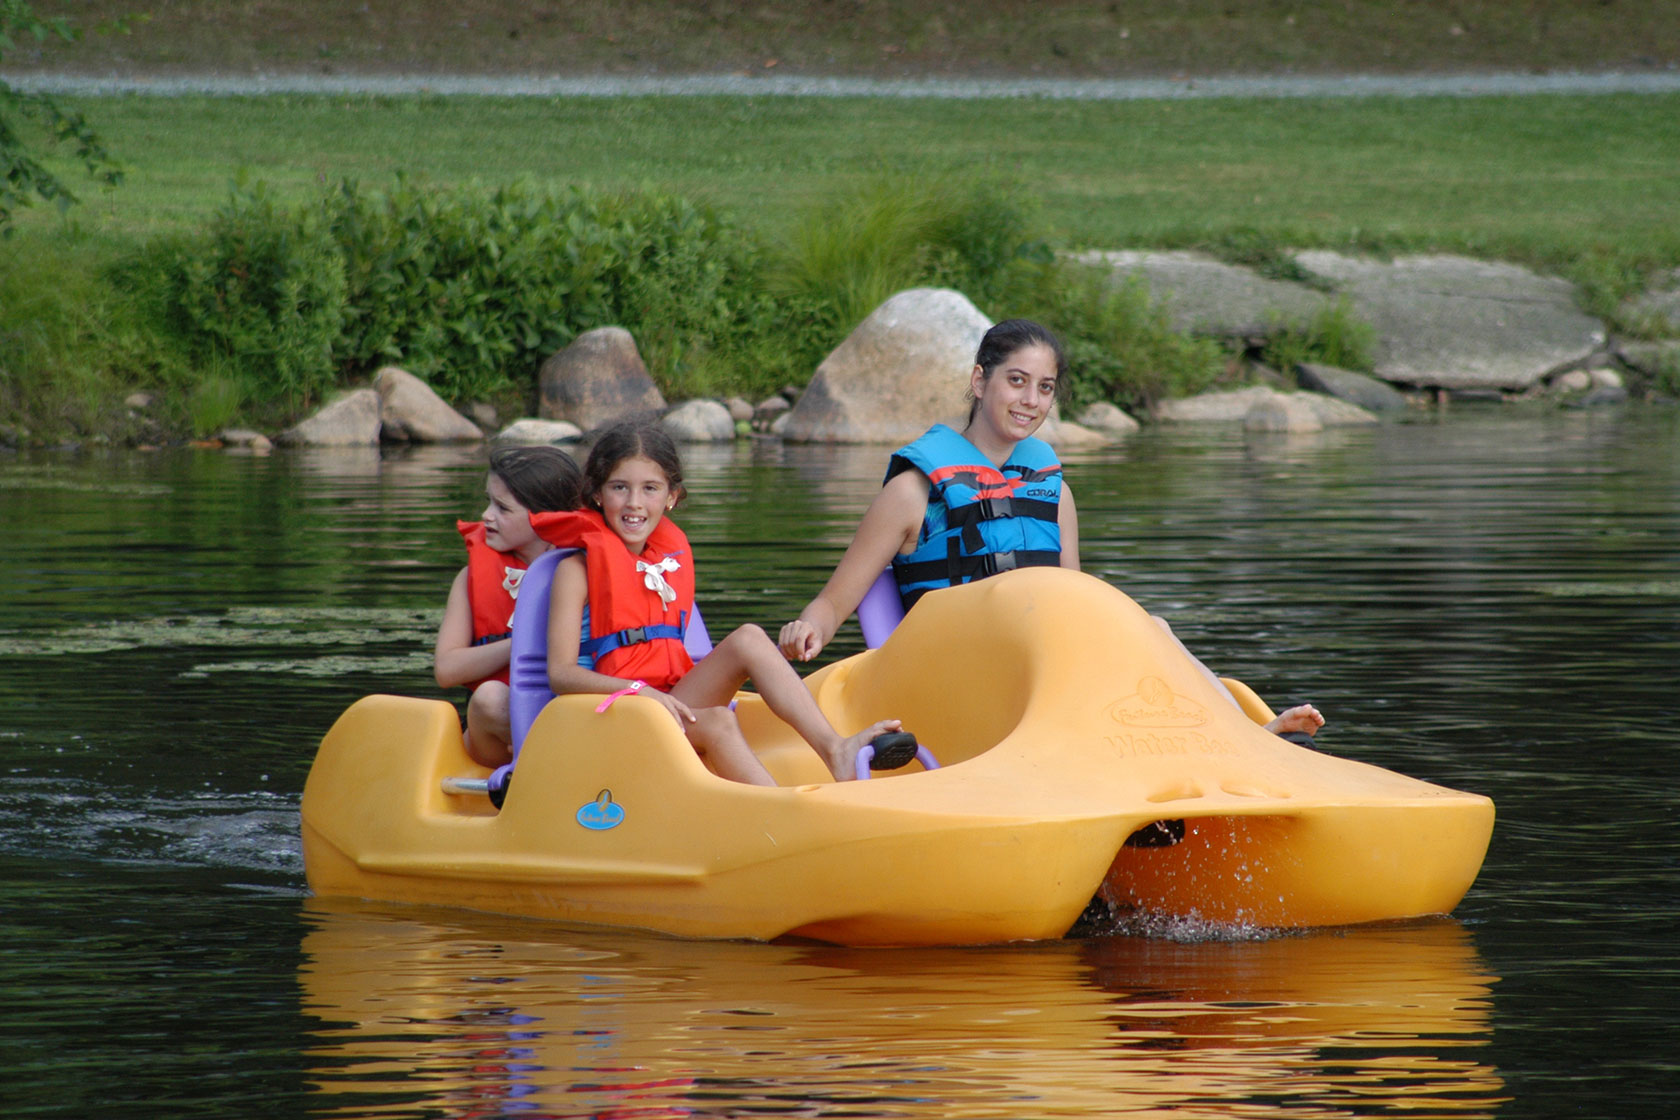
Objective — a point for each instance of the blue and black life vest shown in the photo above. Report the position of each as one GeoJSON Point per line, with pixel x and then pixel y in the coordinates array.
{"type": "Point", "coordinates": [981, 519]}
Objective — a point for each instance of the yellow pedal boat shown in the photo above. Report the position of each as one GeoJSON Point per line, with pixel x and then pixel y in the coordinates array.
{"type": "Point", "coordinates": [1064, 721]}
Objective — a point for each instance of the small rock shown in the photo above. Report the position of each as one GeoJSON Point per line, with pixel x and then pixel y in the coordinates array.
{"type": "Point", "coordinates": [139, 401]}
{"type": "Point", "coordinates": [1229, 406]}
{"type": "Point", "coordinates": [1335, 413]}
{"type": "Point", "coordinates": [1355, 388]}
{"type": "Point", "coordinates": [351, 420]}
{"type": "Point", "coordinates": [240, 437]}
{"type": "Point", "coordinates": [1604, 378]}
{"type": "Point", "coordinates": [533, 431]}
{"type": "Point", "coordinates": [1065, 435]}
{"type": "Point", "coordinates": [410, 410]}
{"type": "Point", "coordinates": [699, 421]}
{"type": "Point", "coordinates": [1105, 416]}
{"type": "Point", "coordinates": [738, 409]}
{"type": "Point", "coordinates": [1575, 381]}
{"type": "Point", "coordinates": [1281, 413]}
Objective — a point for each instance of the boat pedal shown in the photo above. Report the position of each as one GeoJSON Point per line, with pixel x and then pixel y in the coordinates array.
{"type": "Point", "coordinates": [890, 750]}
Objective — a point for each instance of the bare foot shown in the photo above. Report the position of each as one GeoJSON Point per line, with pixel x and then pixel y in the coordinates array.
{"type": "Point", "coordinates": [1301, 719]}
{"type": "Point", "coordinates": [843, 763]}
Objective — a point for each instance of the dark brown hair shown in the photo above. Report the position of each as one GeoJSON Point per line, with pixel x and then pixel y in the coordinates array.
{"type": "Point", "coordinates": [539, 478]}
{"type": "Point", "coordinates": [627, 440]}
{"type": "Point", "coordinates": [1004, 339]}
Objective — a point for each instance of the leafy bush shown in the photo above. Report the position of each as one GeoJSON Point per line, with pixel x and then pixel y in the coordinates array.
{"type": "Point", "coordinates": [848, 255]}
{"type": "Point", "coordinates": [261, 293]}
{"type": "Point", "coordinates": [1334, 336]}
{"type": "Point", "coordinates": [1120, 346]}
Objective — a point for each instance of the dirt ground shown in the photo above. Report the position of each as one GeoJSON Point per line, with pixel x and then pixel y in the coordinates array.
{"type": "Point", "coordinates": [861, 38]}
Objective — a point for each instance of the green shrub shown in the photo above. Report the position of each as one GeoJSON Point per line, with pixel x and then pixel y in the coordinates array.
{"type": "Point", "coordinates": [260, 292]}
{"type": "Point", "coordinates": [1120, 346]}
{"type": "Point", "coordinates": [472, 289]}
{"type": "Point", "coordinates": [1334, 336]}
{"type": "Point", "coordinates": [848, 255]}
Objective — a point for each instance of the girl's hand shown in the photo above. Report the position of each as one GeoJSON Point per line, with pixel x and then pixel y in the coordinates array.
{"type": "Point", "coordinates": [679, 711]}
{"type": "Point", "coordinates": [800, 641]}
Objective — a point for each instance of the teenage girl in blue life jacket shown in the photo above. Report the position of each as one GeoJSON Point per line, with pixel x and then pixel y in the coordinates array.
{"type": "Point", "coordinates": [1005, 507]}
{"type": "Point", "coordinates": [473, 649]}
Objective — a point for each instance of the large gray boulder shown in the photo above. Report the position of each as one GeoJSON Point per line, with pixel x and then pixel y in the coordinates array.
{"type": "Point", "coordinates": [410, 411]}
{"type": "Point", "coordinates": [596, 380]}
{"type": "Point", "coordinates": [1204, 295]}
{"type": "Point", "coordinates": [1455, 323]}
{"type": "Point", "coordinates": [904, 368]}
{"type": "Point", "coordinates": [349, 421]}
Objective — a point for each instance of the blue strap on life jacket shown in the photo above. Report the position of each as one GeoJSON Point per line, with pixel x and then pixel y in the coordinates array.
{"type": "Point", "coordinates": [597, 648]}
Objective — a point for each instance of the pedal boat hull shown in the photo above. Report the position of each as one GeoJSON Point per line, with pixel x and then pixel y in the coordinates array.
{"type": "Point", "coordinates": [1065, 720]}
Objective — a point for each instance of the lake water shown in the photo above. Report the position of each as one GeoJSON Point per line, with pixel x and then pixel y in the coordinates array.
{"type": "Point", "coordinates": [1490, 601]}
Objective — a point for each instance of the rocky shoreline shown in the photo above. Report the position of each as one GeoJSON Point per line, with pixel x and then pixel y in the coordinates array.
{"type": "Point", "coordinates": [1445, 328]}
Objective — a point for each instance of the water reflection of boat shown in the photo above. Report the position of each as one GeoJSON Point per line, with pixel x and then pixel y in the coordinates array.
{"type": "Point", "coordinates": [1066, 722]}
{"type": "Point", "coordinates": [471, 1015]}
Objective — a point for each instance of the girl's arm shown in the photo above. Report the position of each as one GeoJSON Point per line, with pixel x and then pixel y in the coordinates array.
{"type": "Point", "coordinates": [888, 528]}
{"type": "Point", "coordinates": [567, 598]}
{"type": "Point", "coordinates": [455, 660]}
{"type": "Point", "coordinates": [1067, 519]}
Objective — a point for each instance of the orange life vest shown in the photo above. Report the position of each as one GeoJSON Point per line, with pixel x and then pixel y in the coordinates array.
{"type": "Point", "coordinates": [492, 590]}
{"type": "Point", "coordinates": [638, 632]}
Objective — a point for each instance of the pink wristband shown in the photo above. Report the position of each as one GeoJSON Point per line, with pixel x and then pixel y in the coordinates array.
{"type": "Point", "coordinates": [635, 687]}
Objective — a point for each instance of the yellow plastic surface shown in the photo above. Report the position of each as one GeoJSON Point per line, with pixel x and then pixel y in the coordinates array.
{"type": "Point", "coordinates": [1064, 718]}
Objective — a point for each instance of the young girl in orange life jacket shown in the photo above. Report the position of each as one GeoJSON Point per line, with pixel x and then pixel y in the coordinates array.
{"type": "Point", "coordinates": [636, 576]}
{"type": "Point", "coordinates": [472, 642]}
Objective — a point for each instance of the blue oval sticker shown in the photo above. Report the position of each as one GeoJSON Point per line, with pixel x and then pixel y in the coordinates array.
{"type": "Point", "coordinates": [601, 813]}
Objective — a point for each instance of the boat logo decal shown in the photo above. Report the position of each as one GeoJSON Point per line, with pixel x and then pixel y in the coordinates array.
{"type": "Point", "coordinates": [1155, 704]}
{"type": "Point", "coordinates": [602, 813]}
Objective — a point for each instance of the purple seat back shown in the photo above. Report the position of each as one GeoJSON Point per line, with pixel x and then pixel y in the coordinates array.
{"type": "Point", "coordinates": [881, 609]}
{"type": "Point", "coordinates": [528, 690]}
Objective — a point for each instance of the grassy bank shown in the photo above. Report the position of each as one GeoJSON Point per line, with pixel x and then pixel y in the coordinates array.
{"type": "Point", "coordinates": [1581, 186]}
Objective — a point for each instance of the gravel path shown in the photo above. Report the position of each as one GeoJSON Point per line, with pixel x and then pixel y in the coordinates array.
{"type": "Point", "coordinates": [1155, 89]}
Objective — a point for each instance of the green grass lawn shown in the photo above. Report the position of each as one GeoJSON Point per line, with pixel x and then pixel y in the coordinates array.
{"type": "Point", "coordinates": [1547, 179]}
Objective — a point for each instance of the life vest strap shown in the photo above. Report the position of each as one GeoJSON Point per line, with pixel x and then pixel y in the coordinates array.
{"type": "Point", "coordinates": [968, 517]}
{"type": "Point", "coordinates": [957, 568]}
{"type": "Point", "coordinates": [488, 638]}
{"type": "Point", "coordinates": [635, 635]}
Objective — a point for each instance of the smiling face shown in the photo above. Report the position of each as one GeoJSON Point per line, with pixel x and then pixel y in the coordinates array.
{"type": "Point", "coordinates": [1013, 402]}
{"type": "Point", "coordinates": [507, 523]}
{"type": "Point", "coordinates": [634, 497]}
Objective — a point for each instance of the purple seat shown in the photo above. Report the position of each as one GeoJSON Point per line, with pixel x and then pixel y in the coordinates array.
{"type": "Point", "coordinates": [881, 610]}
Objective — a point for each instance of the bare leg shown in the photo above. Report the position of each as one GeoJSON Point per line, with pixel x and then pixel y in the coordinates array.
{"type": "Point", "coordinates": [750, 654]}
{"type": "Point", "coordinates": [488, 735]}
{"type": "Point", "coordinates": [717, 738]}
